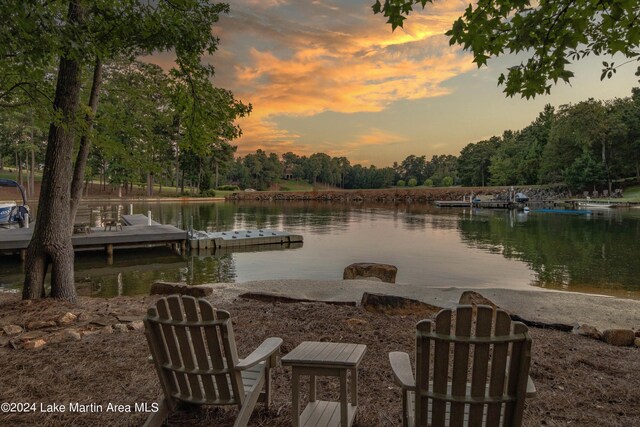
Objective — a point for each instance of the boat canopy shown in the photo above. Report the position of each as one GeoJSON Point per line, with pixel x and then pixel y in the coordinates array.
{"type": "Point", "coordinates": [11, 183]}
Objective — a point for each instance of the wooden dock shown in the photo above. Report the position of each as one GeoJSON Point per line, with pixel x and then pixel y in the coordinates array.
{"type": "Point", "coordinates": [486, 204]}
{"type": "Point", "coordinates": [134, 234]}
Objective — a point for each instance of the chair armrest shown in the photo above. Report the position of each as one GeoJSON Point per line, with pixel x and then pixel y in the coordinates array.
{"type": "Point", "coordinates": [401, 367]}
{"type": "Point", "coordinates": [531, 388]}
{"type": "Point", "coordinates": [263, 352]}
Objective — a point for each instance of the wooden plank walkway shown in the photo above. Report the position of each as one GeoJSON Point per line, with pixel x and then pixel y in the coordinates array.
{"type": "Point", "coordinates": [130, 236]}
{"type": "Point", "coordinates": [487, 204]}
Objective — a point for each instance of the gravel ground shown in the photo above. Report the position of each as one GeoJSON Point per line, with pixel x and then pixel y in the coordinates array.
{"type": "Point", "coordinates": [580, 381]}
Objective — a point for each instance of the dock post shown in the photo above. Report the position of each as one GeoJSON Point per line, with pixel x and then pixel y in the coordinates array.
{"type": "Point", "coordinates": [23, 255]}
{"type": "Point", "coordinates": [109, 254]}
{"type": "Point", "coordinates": [183, 247]}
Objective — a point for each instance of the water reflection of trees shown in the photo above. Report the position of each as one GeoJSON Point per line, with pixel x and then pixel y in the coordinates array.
{"type": "Point", "coordinates": [134, 274]}
{"type": "Point", "coordinates": [565, 252]}
{"type": "Point", "coordinates": [309, 216]}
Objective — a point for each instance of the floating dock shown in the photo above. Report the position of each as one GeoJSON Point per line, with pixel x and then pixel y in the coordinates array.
{"type": "Point", "coordinates": [239, 238]}
{"type": "Point", "coordinates": [564, 211]}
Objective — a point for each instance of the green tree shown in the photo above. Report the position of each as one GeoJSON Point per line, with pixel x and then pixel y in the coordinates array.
{"type": "Point", "coordinates": [440, 166]}
{"type": "Point", "coordinates": [79, 33]}
{"type": "Point", "coordinates": [401, 183]}
{"type": "Point", "coordinates": [576, 129]}
{"type": "Point", "coordinates": [474, 162]}
{"type": "Point", "coordinates": [414, 167]}
{"type": "Point", "coordinates": [447, 181]}
{"type": "Point", "coordinates": [584, 172]}
{"type": "Point", "coordinates": [549, 32]}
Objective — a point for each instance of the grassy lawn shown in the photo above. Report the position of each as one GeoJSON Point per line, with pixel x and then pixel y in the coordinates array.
{"type": "Point", "coordinates": [632, 193]}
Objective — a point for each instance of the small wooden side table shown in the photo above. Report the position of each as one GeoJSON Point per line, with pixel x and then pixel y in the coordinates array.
{"type": "Point", "coordinates": [325, 359]}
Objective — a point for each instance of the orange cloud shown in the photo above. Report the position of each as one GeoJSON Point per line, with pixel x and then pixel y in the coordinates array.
{"type": "Point", "coordinates": [359, 65]}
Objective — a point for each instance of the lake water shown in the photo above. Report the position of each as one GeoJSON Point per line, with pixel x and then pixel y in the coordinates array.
{"type": "Point", "coordinates": [431, 246]}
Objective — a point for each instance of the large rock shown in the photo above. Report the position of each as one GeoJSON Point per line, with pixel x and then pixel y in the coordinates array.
{"type": "Point", "coordinates": [395, 305]}
{"type": "Point", "coordinates": [619, 337]}
{"type": "Point", "coordinates": [363, 270]}
{"type": "Point", "coordinates": [588, 331]}
{"type": "Point", "coordinates": [35, 344]}
{"type": "Point", "coordinates": [136, 325]}
{"type": "Point", "coordinates": [167, 288]}
{"type": "Point", "coordinates": [12, 330]}
{"type": "Point", "coordinates": [39, 324]}
{"type": "Point", "coordinates": [474, 298]}
{"type": "Point", "coordinates": [65, 335]}
{"type": "Point", "coordinates": [120, 327]}
{"type": "Point", "coordinates": [31, 335]}
{"type": "Point", "coordinates": [67, 319]}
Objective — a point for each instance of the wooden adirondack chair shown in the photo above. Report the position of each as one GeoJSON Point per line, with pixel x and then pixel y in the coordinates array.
{"type": "Point", "coordinates": [472, 369]}
{"type": "Point", "coordinates": [194, 352]}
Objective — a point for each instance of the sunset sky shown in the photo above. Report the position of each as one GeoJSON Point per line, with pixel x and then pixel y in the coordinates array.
{"type": "Point", "coordinates": [329, 76]}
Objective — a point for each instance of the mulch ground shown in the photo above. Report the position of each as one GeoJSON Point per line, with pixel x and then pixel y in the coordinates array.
{"type": "Point", "coordinates": [580, 381]}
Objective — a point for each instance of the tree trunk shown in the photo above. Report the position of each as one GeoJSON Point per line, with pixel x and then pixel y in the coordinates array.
{"type": "Point", "coordinates": [149, 184]}
{"type": "Point", "coordinates": [85, 141]}
{"type": "Point", "coordinates": [19, 164]}
{"type": "Point", "coordinates": [51, 241]}
{"type": "Point", "coordinates": [177, 124]}
{"type": "Point", "coordinates": [32, 178]}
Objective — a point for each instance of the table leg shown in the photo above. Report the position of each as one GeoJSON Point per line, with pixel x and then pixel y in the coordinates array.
{"type": "Point", "coordinates": [295, 397]}
{"type": "Point", "coordinates": [354, 387]}
{"type": "Point", "coordinates": [344, 396]}
{"type": "Point", "coordinates": [312, 388]}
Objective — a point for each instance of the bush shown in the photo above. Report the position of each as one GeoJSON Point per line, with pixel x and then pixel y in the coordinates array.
{"type": "Point", "coordinates": [400, 183]}
{"type": "Point", "coordinates": [228, 188]}
{"type": "Point", "coordinates": [428, 182]}
{"type": "Point", "coordinates": [412, 182]}
{"type": "Point", "coordinates": [447, 181]}
{"type": "Point", "coordinates": [208, 193]}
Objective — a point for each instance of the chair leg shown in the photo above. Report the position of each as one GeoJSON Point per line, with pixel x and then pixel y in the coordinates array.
{"type": "Point", "coordinates": [156, 419]}
{"type": "Point", "coordinates": [270, 363]}
{"type": "Point", "coordinates": [249, 403]}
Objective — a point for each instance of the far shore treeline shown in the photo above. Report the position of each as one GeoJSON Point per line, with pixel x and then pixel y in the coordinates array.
{"type": "Point", "coordinates": [142, 120]}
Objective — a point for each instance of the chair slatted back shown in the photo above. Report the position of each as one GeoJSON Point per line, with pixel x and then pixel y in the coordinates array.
{"type": "Point", "coordinates": [194, 351]}
{"type": "Point", "coordinates": [472, 366]}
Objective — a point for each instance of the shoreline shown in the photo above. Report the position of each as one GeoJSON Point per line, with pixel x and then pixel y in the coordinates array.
{"type": "Point", "coordinates": [549, 306]}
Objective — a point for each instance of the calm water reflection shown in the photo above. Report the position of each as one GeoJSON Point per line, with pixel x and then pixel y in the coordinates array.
{"type": "Point", "coordinates": [431, 246]}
